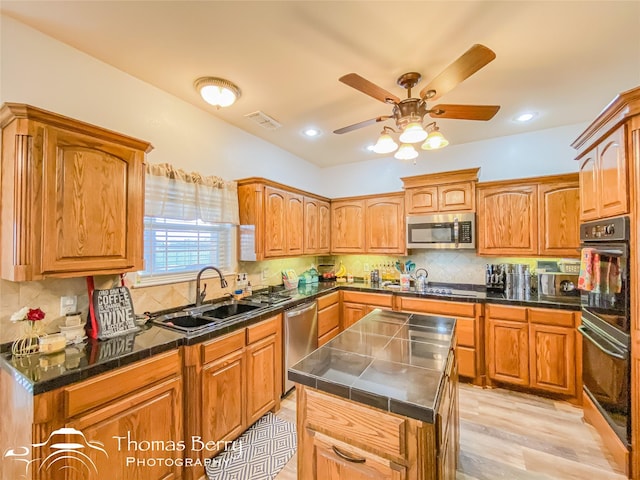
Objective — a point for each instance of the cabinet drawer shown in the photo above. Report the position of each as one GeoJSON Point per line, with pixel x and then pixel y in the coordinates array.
{"type": "Point", "coordinates": [219, 347]}
{"type": "Point", "coordinates": [356, 424]}
{"type": "Point", "coordinates": [547, 316]}
{"type": "Point", "coordinates": [466, 332]}
{"type": "Point", "coordinates": [112, 385]}
{"type": "Point", "coordinates": [422, 305]}
{"type": "Point", "coordinates": [328, 336]}
{"type": "Point", "coordinates": [377, 299]}
{"type": "Point", "coordinates": [328, 319]}
{"type": "Point", "coordinates": [263, 329]}
{"type": "Point", "coordinates": [326, 300]}
{"type": "Point", "coordinates": [466, 362]}
{"type": "Point", "coordinates": [517, 314]}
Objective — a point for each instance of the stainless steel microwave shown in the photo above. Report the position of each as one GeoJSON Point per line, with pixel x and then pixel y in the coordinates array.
{"type": "Point", "coordinates": [442, 230]}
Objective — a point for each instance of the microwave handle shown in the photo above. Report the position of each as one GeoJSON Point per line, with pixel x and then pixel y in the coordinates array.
{"type": "Point", "coordinates": [456, 228]}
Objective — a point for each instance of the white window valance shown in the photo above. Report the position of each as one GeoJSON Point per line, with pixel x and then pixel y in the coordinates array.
{"type": "Point", "coordinates": [174, 193]}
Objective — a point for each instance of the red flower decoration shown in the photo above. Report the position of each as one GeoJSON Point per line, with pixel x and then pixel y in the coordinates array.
{"type": "Point", "coordinates": [35, 314]}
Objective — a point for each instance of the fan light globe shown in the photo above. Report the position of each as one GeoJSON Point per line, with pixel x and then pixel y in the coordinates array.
{"type": "Point", "coordinates": [385, 144]}
{"type": "Point", "coordinates": [217, 91]}
{"type": "Point", "coordinates": [413, 133]}
{"type": "Point", "coordinates": [434, 141]}
{"type": "Point", "coordinates": [406, 152]}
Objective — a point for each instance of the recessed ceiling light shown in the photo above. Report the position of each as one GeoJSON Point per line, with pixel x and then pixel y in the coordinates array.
{"type": "Point", "coordinates": [311, 132]}
{"type": "Point", "coordinates": [525, 117]}
{"type": "Point", "coordinates": [370, 148]}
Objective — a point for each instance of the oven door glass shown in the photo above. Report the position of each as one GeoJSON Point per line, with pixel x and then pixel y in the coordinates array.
{"type": "Point", "coordinates": [606, 295]}
{"type": "Point", "coordinates": [606, 375]}
{"type": "Point", "coordinates": [431, 233]}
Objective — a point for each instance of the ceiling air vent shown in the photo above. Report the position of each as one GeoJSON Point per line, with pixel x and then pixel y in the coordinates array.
{"type": "Point", "coordinates": [264, 120]}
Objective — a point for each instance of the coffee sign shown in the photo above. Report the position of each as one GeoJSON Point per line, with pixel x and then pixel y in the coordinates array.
{"type": "Point", "coordinates": [113, 311]}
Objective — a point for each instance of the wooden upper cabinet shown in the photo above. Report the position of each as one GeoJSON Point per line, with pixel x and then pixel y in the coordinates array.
{"type": "Point", "coordinates": [558, 219]}
{"type": "Point", "coordinates": [347, 226]}
{"type": "Point", "coordinates": [72, 197]}
{"type": "Point", "coordinates": [507, 220]}
{"type": "Point", "coordinates": [588, 188]}
{"type": "Point", "coordinates": [612, 170]}
{"type": "Point", "coordinates": [385, 225]}
{"type": "Point", "coordinates": [288, 222]}
{"type": "Point", "coordinates": [317, 227]}
{"type": "Point", "coordinates": [441, 192]}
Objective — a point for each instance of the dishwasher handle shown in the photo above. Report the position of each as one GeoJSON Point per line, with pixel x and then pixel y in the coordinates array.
{"type": "Point", "coordinates": [294, 312]}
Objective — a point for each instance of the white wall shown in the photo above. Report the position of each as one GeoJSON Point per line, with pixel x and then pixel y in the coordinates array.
{"type": "Point", "coordinates": [544, 152]}
{"type": "Point", "coordinates": [43, 72]}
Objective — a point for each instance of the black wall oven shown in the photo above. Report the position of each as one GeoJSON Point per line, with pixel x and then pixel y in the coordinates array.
{"type": "Point", "coordinates": [605, 329]}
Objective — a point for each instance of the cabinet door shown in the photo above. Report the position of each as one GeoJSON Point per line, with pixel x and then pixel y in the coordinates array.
{"type": "Point", "coordinates": [347, 226]}
{"type": "Point", "coordinates": [558, 219]}
{"type": "Point", "coordinates": [275, 222]}
{"type": "Point", "coordinates": [293, 224]}
{"type": "Point", "coordinates": [588, 187]}
{"type": "Point", "coordinates": [152, 414]}
{"type": "Point", "coordinates": [324, 227]}
{"type": "Point", "coordinates": [92, 205]}
{"type": "Point", "coordinates": [351, 313]}
{"type": "Point", "coordinates": [261, 377]}
{"type": "Point", "coordinates": [508, 220]}
{"type": "Point", "coordinates": [421, 200]}
{"type": "Point", "coordinates": [223, 398]}
{"type": "Point", "coordinates": [311, 225]}
{"type": "Point", "coordinates": [552, 358]}
{"type": "Point", "coordinates": [385, 225]}
{"type": "Point", "coordinates": [508, 351]}
{"type": "Point", "coordinates": [612, 173]}
{"type": "Point", "coordinates": [334, 460]}
{"type": "Point", "coordinates": [457, 197]}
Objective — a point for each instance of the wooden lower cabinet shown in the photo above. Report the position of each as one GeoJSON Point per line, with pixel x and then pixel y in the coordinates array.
{"type": "Point", "coordinates": [232, 381]}
{"type": "Point", "coordinates": [328, 317]}
{"type": "Point", "coordinates": [351, 313]}
{"type": "Point", "coordinates": [356, 305]}
{"type": "Point", "coordinates": [533, 347]}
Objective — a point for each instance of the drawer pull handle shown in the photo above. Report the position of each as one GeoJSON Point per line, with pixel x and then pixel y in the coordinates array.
{"type": "Point", "coordinates": [346, 457]}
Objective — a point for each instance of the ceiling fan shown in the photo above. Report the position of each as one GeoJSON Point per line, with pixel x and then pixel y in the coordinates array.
{"type": "Point", "coordinates": [409, 113]}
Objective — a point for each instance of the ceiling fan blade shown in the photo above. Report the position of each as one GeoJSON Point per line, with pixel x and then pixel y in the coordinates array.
{"type": "Point", "coordinates": [365, 86]}
{"type": "Point", "coordinates": [355, 126]}
{"type": "Point", "coordinates": [464, 112]}
{"type": "Point", "coordinates": [466, 65]}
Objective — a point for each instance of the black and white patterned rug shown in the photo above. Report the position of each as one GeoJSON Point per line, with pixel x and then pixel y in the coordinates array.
{"type": "Point", "coordinates": [259, 453]}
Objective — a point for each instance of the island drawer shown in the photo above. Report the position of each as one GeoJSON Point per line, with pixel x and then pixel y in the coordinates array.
{"type": "Point", "coordinates": [112, 385]}
{"type": "Point", "coordinates": [368, 427]}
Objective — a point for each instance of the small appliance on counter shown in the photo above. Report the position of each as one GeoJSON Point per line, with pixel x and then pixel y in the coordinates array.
{"type": "Point", "coordinates": [518, 284]}
{"type": "Point", "coordinates": [495, 277]}
{"type": "Point", "coordinates": [554, 281]}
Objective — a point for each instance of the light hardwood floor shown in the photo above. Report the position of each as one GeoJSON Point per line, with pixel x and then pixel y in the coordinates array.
{"type": "Point", "coordinates": [514, 436]}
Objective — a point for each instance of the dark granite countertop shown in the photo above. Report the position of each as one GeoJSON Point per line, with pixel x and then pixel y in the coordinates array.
{"type": "Point", "coordinates": [391, 361]}
{"type": "Point", "coordinates": [41, 373]}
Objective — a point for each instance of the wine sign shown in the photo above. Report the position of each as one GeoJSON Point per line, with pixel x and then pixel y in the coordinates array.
{"type": "Point", "coordinates": [113, 310]}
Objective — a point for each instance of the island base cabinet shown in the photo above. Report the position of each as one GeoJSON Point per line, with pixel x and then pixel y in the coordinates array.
{"type": "Point", "coordinates": [335, 460]}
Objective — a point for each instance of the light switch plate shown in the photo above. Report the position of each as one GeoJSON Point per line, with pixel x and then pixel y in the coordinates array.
{"type": "Point", "coordinates": [68, 304]}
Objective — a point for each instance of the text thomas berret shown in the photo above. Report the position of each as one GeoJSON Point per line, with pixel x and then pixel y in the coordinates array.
{"type": "Point", "coordinates": [128, 444]}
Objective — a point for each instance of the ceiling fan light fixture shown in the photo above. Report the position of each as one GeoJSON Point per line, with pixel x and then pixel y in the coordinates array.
{"type": "Point", "coordinates": [385, 144]}
{"type": "Point", "coordinates": [435, 141]}
{"type": "Point", "coordinates": [217, 91]}
{"type": "Point", "coordinates": [413, 133]}
{"type": "Point", "coordinates": [406, 152]}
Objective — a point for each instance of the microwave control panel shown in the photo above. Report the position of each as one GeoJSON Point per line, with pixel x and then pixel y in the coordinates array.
{"type": "Point", "coordinates": [465, 232]}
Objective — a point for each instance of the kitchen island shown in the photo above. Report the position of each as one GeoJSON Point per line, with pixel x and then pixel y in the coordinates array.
{"type": "Point", "coordinates": [379, 401]}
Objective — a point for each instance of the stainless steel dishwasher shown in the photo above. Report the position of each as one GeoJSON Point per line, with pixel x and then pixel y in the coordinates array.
{"type": "Point", "coordinates": [300, 336]}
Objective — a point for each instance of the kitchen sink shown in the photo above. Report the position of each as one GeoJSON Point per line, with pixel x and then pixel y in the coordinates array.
{"type": "Point", "coordinates": [183, 322]}
{"type": "Point", "coordinates": [229, 309]}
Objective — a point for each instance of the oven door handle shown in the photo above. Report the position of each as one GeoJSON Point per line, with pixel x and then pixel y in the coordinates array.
{"type": "Point", "coordinates": [585, 332]}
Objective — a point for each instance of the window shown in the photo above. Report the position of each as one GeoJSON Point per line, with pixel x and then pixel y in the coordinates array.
{"type": "Point", "coordinates": [177, 241]}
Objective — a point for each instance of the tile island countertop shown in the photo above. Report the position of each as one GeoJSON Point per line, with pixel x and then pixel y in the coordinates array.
{"type": "Point", "coordinates": [392, 361]}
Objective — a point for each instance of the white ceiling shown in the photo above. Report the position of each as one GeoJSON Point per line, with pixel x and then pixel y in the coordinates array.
{"type": "Point", "coordinates": [564, 60]}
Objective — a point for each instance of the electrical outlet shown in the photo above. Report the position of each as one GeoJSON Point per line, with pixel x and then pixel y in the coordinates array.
{"type": "Point", "coordinates": [68, 305]}
{"type": "Point", "coordinates": [265, 273]}
{"type": "Point", "coordinates": [366, 267]}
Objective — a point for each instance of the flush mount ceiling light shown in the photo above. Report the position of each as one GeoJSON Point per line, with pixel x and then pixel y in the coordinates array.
{"type": "Point", "coordinates": [217, 91]}
{"type": "Point", "coordinates": [311, 132]}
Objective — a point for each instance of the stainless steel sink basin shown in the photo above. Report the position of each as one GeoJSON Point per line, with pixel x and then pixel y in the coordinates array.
{"type": "Point", "coordinates": [229, 309]}
{"type": "Point", "coordinates": [183, 322]}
